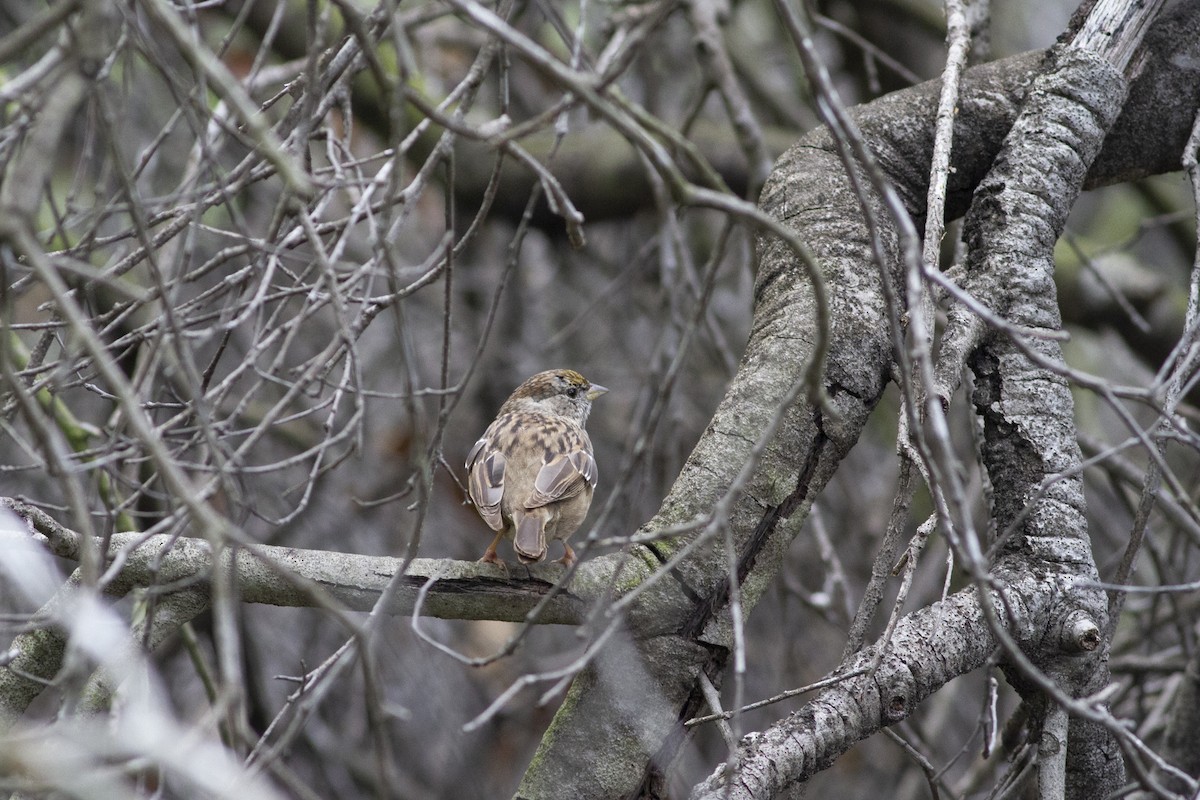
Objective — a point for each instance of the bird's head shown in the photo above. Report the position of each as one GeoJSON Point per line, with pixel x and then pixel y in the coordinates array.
{"type": "Point", "coordinates": [556, 391]}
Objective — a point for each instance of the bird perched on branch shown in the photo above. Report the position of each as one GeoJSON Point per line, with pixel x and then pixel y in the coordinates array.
{"type": "Point", "coordinates": [531, 475]}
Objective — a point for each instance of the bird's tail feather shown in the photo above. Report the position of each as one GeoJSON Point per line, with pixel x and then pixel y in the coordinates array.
{"type": "Point", "coordinates": [530, 539]}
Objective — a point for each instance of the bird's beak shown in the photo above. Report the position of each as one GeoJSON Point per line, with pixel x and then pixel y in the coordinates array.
{"type": "Point", "coordinates": [595, 391]}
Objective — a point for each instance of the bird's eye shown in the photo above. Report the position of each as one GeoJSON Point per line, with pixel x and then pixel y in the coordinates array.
{"type": "Point", "coordinates": [573, 391]}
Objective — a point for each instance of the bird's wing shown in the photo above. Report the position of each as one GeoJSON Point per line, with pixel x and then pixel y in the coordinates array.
{"type": "Point", "coordinates": [485, 482]}
{"type": "Point", "coordinates": [563, 476]}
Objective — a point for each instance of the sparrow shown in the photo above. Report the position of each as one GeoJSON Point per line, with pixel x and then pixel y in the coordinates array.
{"type": "Point", "coordinates": [531, 475]}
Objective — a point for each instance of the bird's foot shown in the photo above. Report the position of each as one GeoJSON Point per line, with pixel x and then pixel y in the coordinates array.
{"type": "Point", "coordinates": [568, 557]}
{"type": "Point", "coordinates": [490, 557]}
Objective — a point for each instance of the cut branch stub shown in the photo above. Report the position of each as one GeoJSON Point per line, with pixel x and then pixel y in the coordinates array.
{"type": "Point", "coordinates": [1080, 633]}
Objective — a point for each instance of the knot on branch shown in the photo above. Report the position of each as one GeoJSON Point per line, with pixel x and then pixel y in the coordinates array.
{"type": "Point", "coordinates": [896, 708]}
{"type": "Point", "coordinates": [1079, 634]}
{"type": "Point", "coordinates": [1069, 616]}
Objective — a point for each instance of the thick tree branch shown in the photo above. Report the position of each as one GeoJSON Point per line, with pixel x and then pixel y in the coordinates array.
{"type": "Point", "coordinates": [807, 192]}
{"type": "Point", "coordinates": [288, 576]}
{"type": "Point", "coordinates": [929, 648]}
{"type": "Point", "coordinates": [1031, 451]}
{"type": "Point", "coordinates": [1030, 443]}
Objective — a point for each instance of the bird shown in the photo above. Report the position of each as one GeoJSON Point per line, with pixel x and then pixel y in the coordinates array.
{"type": "Point", "coordinates": [532, 474]}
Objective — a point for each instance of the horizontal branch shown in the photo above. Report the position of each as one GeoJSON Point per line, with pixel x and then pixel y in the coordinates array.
{"type": "Point", "coordinates": [289, 576]}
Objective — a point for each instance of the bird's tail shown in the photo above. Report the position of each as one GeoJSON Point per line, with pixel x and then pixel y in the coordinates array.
{"type": "Point", "coordinates": [530, 539]}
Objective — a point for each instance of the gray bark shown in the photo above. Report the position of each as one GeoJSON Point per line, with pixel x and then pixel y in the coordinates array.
{"type": "Point", "coordinates": [1030, 446]}
{"type": "Point", "coordinates": [809, 192]}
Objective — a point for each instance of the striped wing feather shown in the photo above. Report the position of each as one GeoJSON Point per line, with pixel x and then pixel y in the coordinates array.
{"type": "Point", "coordinates": [485, 483]}
{"type": "Point", "coordinates": [561, 477]}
